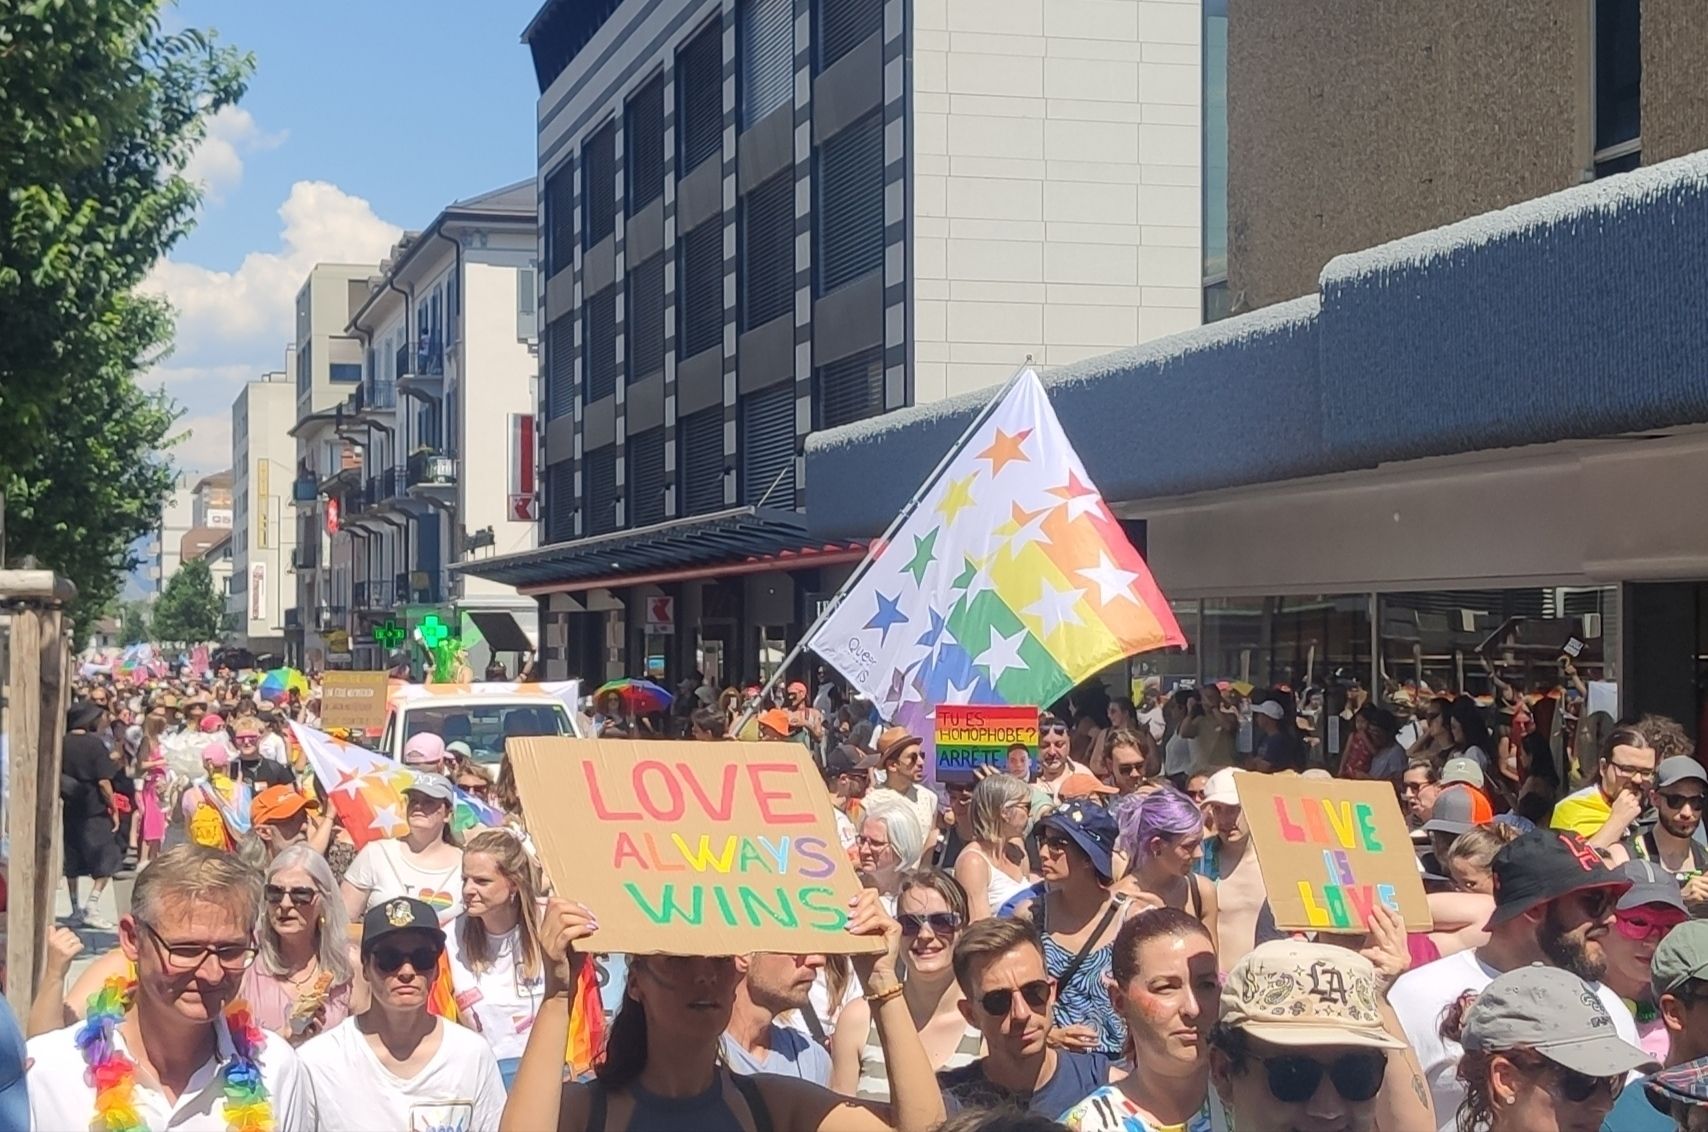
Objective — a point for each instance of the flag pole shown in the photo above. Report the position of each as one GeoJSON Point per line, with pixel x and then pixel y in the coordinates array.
{"type": "Point", "coordinates": [896, 524]}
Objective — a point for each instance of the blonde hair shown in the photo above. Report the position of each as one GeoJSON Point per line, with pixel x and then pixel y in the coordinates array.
{"type": "Point", "coordinates": [192, 872]}
{"type": "Point", "coordinates": [507, 853]}
{"type": "Point", "coordinates": [990, 798]}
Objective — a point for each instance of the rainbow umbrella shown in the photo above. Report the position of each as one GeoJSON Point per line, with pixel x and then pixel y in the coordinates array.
{"type": "Point", "coordinates": [639, 697]}
{"type": "Point", "coordinates": [280, 682]}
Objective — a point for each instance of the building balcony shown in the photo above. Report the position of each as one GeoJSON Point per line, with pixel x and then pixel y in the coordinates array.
{"type": "Point", "coordinates": [419, 587]}
{"type": "Point", "coordinates": [293, 619]}
{"type": "Point", "coordinates": [432, 472]}
{"type": "Point", "coordinates": [304, 489]}
{"type": "Point", "coordinates": [371, 597]}
{"type": "Point", "coordinates": [375, 399]}
{"type": "Point", "coordinates": [306, 556]}
{"type": "Point", "coordinates": [421, 373]}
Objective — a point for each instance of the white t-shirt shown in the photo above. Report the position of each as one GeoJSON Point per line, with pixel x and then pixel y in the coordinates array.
{"type": "Point", "coordinates": [273, 747]}
{"type": "Point", "coordinates": [60, 1097]}
{"type": "Point", "coordinates": [1420, 996]}
{"type": "Point", "coordinates": [385, 871]}
{"type": "Point", "coordinates": [1177, 755]}
{"type": "Point", "coordinates": [499, 998]}
{"type": "Point", "coordinates": [458, 1090]}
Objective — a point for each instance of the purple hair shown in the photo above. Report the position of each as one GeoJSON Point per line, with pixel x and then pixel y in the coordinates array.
{"type": "Point", "coordinates": [1164, 813]}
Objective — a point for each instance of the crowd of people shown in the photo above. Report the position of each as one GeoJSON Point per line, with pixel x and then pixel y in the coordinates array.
{"type": "Point", "coordinates": [1079, 937]}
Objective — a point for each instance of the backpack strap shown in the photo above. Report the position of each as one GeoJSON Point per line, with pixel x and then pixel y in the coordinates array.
{"type": "Point", "coordinates": [748, 1087]}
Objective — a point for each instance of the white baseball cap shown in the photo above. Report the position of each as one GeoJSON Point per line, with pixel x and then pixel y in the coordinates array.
{"type": "Point", "coordinates": [1219, 788]}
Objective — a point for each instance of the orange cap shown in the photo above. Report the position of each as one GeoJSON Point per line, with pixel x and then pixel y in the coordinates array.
{"type": "Point", "coordinates": [1082, 785]}
{"type": "Point", "coordinates": [776, 719]}
{"type": "Point", "coordinates": [276, 803]}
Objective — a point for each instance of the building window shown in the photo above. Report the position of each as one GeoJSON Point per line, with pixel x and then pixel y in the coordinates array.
{"type": "Point", "coordinates": [700, 288]}
{"type": "Point", "coordinates": [645, 479]}
{"type": "Point", "coordinates": [849, 218]}
{"type": "Point", "coordinates": [599, 185]}
{"type": "Point", "coordinates": [643, 146]}
{"type": "Point", "coordinates": [527, 306]}
{"type": "Point", "coordinates": [768, 447]}
{"type": "Point", "coordinates": [643, 318]}
{"type": "Point", "coordinates": [560, 218]}
{"type": "Point", "coordinates": [843, 25]}
{"type": "Point", "coordinates": [699, 98]}
{"type": "Point", "coordinates": [560, 501]}
{"type": "Point", "coordinates": [560, 367]}
{"type": "Point", "coordinates": [599, 491]}
{"type": "Point", "coordinates": [305, 369]}
{"type": "Point", "coordinates": [768, 251]}
{"type": "Point", "coordinates": [849, 389]}
{"type": "Point", "coordinates": [599, 340]}
{"type": "Point", "coordinates": [1215, 157]}
{"type": "Point", "coordinates": [1618, 86]}
{"type": "Point", "coordinates": [767, 57]}
{"type": "Point", "coordinates": [345, 373]}
{"type": "Point", "coordinates": [700, 462]}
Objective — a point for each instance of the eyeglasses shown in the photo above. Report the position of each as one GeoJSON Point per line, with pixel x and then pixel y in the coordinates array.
{"type": "Point", "coordinates": [184, 957]}
{"type": "Point", "coordinates": [479, 788]}
{"type": "Point", "coordinates": [276, 895]}
{"type": "Point", "coordinates": [1195, 795]}
{"type": "Point", "coordinates": [1356, 1076]}
{"type": "Point", "coordinates": [1129, 768]}
{"type": "Point", "coordinates": [865, 842]}
{"type": "Point", "coordinates": [1056, 728]}
{"type": "Point", "coordinates": [1643, 926]}
{"type": "Point", "coordinates": [389, 960]}
{"type": "Point", "coordinates": [1631, 771]}
{"type": "Point", "coordinates": [940, 923]}
{"type": "Point", "coordinates": [1680, 801]}
{"type": "Point", "coordinates": [997, 1003]}
{"type": "Point", "coordinates": [1579, 1087]}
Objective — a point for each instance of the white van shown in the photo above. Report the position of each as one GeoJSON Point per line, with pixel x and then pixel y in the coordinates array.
{"type": "Point", "coordinates": [482, 715]}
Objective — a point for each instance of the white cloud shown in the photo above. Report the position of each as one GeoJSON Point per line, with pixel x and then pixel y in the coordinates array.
{"type": "Point", "coordinates": [217, 163]}
{"type": "Point", "coordinates": [206, 442]}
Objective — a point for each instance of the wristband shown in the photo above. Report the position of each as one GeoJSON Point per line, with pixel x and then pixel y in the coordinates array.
{"type": "Point", "coordinates": [884, 996]}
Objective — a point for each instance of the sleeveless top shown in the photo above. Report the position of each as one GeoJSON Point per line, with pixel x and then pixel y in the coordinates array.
{"type": "Point", "coordinates": [874, 1084]}
{"type": "Point", "coordinates": [1001, 887]}
{"type": "Point", "coordinates": [708, 1112]}
{"type": "Point", "coordinates": [1083, 1000]}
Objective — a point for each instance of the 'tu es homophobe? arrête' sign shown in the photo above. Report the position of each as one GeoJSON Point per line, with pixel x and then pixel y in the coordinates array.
{"type": "Point", "coordinates": [970, 736]}
{"type": "Point", "coordinates": [728, 850]}
{"type": "Point", "coordinates": [1329, 850]}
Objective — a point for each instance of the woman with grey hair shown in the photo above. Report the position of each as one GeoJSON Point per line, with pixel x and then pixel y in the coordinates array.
{"type": "Point", "coordinates": [302, 981]}
{"type": "Point", "coordinates": [992, 868]}
{"type": "Point", "coordinates": [889, 844]}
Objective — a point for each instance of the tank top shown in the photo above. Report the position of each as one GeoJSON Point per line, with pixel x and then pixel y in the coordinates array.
{"type": "Point", "coordinates": [874, 1084]}
{"type": "Point", "coordinates": [708, 1112]}
{"type": "Point", "coordinates": [1001, 887]}
{"type": "Point", "coordinates": [1083, 1000]}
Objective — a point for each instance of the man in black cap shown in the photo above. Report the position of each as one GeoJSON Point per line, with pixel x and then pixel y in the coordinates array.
{"type": "Point", "coordinates": [848, 774]}
{"type": "Point", "coordinates": [1554, 901]}
{"type": "Point", "coordinates": [1681, 790]}
{"type": "Point", "coordinates": [396, 1065]}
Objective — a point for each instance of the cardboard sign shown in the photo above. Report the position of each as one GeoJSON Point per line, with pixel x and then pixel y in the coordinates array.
{"type": "Point", "coordinates": [353, 700]}
{"type": "Point", "coordinates": [969, 736]}
{"type": "Point", "coordinates": [1329, 849]}
{"type": "Point", "coordinates": [716, 849]}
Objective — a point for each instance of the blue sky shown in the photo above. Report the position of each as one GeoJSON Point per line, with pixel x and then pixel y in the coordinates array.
{"type": "Point", "coordinates": [363, 118]}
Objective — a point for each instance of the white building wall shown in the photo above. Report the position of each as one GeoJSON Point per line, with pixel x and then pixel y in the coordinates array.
{"type": "Point", "coordinates": [1056, 153]}
{"type": "Point", "coordinates": [176, 519]}
{"type": "Point", "coordinates": [264, 534]}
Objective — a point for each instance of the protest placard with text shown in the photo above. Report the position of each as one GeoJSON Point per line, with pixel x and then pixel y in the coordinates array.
{"type": "Point", "coordinates": [690, 849]}
{"type": "Point", "coordinates": [970, 736]}
{"type": "Point", "coordinates": [355, 700]}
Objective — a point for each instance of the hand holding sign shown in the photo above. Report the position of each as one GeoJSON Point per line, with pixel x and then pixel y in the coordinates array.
{"type": "Point", "coordinates": [561, 924]}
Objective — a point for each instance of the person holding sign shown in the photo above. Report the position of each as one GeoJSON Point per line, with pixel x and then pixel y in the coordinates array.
{"type": "Point", "coordinates": [661, 1067]}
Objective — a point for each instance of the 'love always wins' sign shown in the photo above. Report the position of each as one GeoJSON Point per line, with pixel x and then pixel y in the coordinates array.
{"type": "Point", "coordinates": [690, 849]}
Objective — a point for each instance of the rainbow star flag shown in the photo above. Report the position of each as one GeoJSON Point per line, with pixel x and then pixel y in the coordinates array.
{"type": "Point", "coordinates": [365, 788]}
{"type": "Point", "coordinates": [1009, 583]}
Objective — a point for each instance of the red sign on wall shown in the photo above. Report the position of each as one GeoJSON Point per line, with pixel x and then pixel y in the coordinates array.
{"type": "Point", "coordinates": [331, 516]}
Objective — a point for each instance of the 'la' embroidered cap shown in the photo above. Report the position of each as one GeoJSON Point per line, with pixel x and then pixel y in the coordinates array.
{"type": "Point", "coordinates": [1555, 1013]}
{"type": "Point", "coordinates": [1292, 993]}
{"type": "Point", "coordinates": [1544, 865]}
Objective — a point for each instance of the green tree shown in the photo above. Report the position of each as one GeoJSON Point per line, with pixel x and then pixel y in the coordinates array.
{"type": "Point", "coordinates": [191, 611]}
{"type": "Point", "coordinates": [99, 111]}
{"type": "Point", "coordinates": [133, 623]}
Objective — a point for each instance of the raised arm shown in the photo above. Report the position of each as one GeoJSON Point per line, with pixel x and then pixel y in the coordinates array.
{"type": "Point", "coordinates": [537, 1097]}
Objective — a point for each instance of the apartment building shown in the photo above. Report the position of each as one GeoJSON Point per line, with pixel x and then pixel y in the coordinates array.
{"type": "Point", "coordinates": [760, 218]}
{"type": "Point", "coordinates": [262, 593]}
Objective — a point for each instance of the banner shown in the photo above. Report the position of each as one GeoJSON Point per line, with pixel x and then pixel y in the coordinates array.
{"type": "Point", "coordinates": [970, 736]}
{"type": "Point", "coordinates": [1329, 849]}
{"type": "Point", "coordinates": [724, 849]}
{"type": "Point", "coordinates": [354, 700]}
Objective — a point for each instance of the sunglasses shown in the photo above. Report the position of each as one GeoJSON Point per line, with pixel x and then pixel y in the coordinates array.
{"type": "Point", "coordinates": [1640, 926]}
{"type": "Point", "coordinates": [276, 895]}
{"type": "Point", "coordinates": [997, 1003]}
{"type": "Point", "coordinates": [388, 960]}
{"type": "Point", "coordinates": [940, 923]}
{"type": "Point", "coordinates": [1579, 1087]}
{"type": "Point", "coordinates": [1679, 801]}
{"type": "Point", "coordinates": [1053, 729]}
{"type": "Point", "coordinates": [1131, 769]}
{"type": "Point", "coordinates": [1356, 1076]}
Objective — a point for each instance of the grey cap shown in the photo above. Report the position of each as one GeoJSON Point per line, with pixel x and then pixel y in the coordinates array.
{"type": "Point", "coordinates": [1679, 768]}
{"type": "Point", "coordinates": [432, 785]}
{"type": "Point", "coordinates": [1650, 884]}
{"type": "Point", "coordinates": [1462, 770]}
{"type": "Point", "coordinates": [1455, 811]}
{"type": "Point", "coordinates": [1681, 956]}
{"type": "Point", "coordinates": [1555, 1013]}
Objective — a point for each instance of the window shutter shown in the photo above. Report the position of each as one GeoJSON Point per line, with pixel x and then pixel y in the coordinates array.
{"type": "Point", "coordinates": [700, 288]}
{"type": "Point", "coordinates": [560, 501]}
{"type": "Point", "coordinates": [598, 185]}
{"type": "Point", "coordinates": [699, 98]}
{"type": "Point", "coordinates": [599, 341]}
{"type": "Point", "coordinates": [767, 57]}
{"type": "Point", "coordinates": [843, 25]}
{"type": "Point", "coordinates": [560, 218]}
{"type": "Point", "coordinates": [646, 482]}
{"type": "Point", "coordinates": [700, 462]}
{"type": "Point", "coordinates": [768, 447]}
{"type": "Point", "coordinates": [643, 146]}
{"type": "Point", "coordinates": [850, 389]}
{"type": "Point", "coordinates": [768, 251]}
{"type": "Point", "coordinates": [560, 367]}
{"type": "Point", "coordinates": [527, 307]}
{"type": "Point", "coordinates": [643, 318]}
{"type": "Point", "coordinates": [599, 491]}
{"type": "Point", "coordinates": [850, 213]}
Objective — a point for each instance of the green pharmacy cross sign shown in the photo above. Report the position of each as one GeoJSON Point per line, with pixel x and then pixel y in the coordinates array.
{"type": "Point", "coordinates": [434, 632]}
{"type": "Point", "coordinates": [390, 634]}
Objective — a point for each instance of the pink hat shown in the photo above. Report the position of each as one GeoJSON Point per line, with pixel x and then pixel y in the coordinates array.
{"type": "Point", "coordinates": [423, 748]}
{"type": "Point", "coordinates": [216, 754]}
{"type": "Point", "coordinates": [210, 723]}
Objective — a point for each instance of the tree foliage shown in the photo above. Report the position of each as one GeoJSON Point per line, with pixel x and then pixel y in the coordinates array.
{"type": "Point", "coordinates": [190, 611]}
{"type": "Point", "coordinates": [99, 111]}
{"type": "Point", "coordinates": [134, 623]}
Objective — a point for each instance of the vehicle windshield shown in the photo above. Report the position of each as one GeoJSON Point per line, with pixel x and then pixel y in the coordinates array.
{"type": "Point", "coordinates": [484, 727]}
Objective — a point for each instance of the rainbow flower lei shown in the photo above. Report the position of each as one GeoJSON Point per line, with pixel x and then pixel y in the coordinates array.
{"type": "Point", "coordinates": [114, 1075]}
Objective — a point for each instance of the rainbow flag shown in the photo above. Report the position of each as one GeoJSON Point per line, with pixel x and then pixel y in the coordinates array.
{"type": "Point", "coordinates": [365, 788]}
{"type": "Point", "coordinates": [470, 812]}
{"type": "Point", "coordinates": [1010, 583]}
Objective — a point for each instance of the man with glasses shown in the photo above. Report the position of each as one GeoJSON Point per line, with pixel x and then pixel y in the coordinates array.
{"type": "Point", "coordinates": [1554, 903]}
{"type": "Point", "coordinates": [1678, 974]}
{"type": "Point", "coordinates": [999, 965]}
{"type": "Point", "coordinates": [1681, 790]}
{"type": "Point", "coordinates": [250, 767]}
{"type": "Point", "coordinates": [902, 757]}
{"type": "Point", "coordinates": [1054, 765]}
{"type": "Point", "coordinates": [190, 936]}
{"type": "Point", "coordinates": [396, 1065]}
{"type": "Point", "coordinates": [1602, 812]}
{"type": "Point", "coordinates": [1127, 757]}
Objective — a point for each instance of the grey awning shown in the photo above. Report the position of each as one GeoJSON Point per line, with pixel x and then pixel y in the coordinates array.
{"type": "Point", "coordinates": [501, 631]}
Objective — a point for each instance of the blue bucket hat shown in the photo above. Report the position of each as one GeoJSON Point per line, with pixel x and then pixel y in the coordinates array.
{"type": "Point", "coordinates": [1090, 827]}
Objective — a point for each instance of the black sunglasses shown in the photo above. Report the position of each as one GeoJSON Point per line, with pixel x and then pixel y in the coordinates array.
{"type": "Point", "coordinates": [997, 1003]}
{"type": "Point", "coordinates": [941, 923]}
{"type": "Point", "coordinates": [1053, 728]}
{"type": "Point", "coordinates": [425, 960]}
{"type": "Point", "coordinates": [1356, 1076]}
{"type": "Point", "coordinates": [1679, 801]}
{"type": "Point", "coordinates": [276, 895]}
{"type": "Point", "coordinates": [1579, 1087]}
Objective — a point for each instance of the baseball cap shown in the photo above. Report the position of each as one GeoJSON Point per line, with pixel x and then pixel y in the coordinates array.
{"type": "Point", "coordinates": [276, 803]}
{"type": "Point", "coordinates": [846, 758]}
{"type": "Point", "coordinates": [1649, 885]}
{"type": "Point", "coordinates": [1459, 809]}
{"type": "Point", "coordinates": [776, 719]}
{"type": "Point", "coordinates": [399, 914]}
{"type": "Point", "coordinates": [1555, 1013]}
{"type": "Point", "coordinates": [1544, 865]}
{"type": "Point", "coordinates": [1270, 708]}
{"type": "Point", "coordinates": [1092, 828]}
{"type": "Point", "coordinates": [1464, 770]}
{"type": "Point", "coordinates": [1220, 788]}
{"type": "Point", "coordinates": [217, 753]}
{"type": "Point", "coordinates": [1679, 768]}
{"type": "Point", "coordinates": [210, 723]}
{"type": "Point", "coordinates": [797, 686]}
{"type": "Point", "coordinates": [423, 747]}
{"type": "Point", "coordinates": [1681, 956]}
{"type": "Point", "coordinates": [432, 785]}
{"type": "Point", "coordinates": [1293, 993]}
{"type": "Point", "coordinates": [1082, 785]}
{"type": "Point", "coordinates": [460, 749]}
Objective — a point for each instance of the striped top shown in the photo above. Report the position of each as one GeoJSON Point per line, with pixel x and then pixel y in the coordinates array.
{"type": "Point", "coordinates": [874, 1084]}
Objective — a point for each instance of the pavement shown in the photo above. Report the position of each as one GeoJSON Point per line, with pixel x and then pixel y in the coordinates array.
{"type": "Point", "coordinates": [95, 943]}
